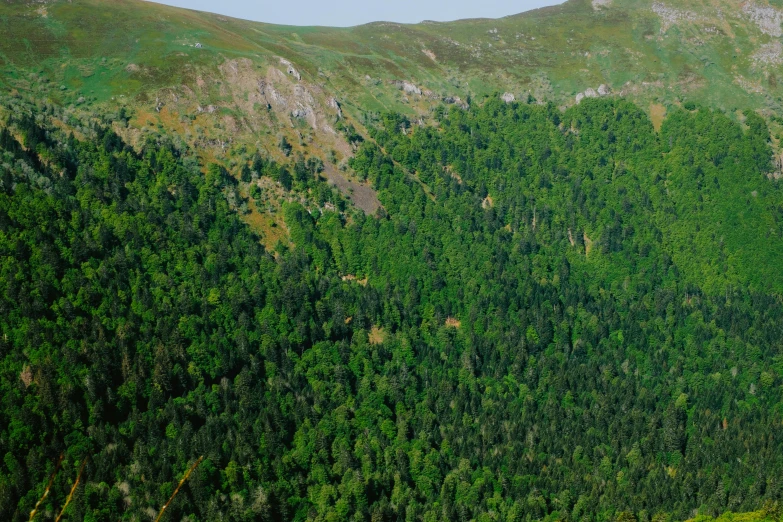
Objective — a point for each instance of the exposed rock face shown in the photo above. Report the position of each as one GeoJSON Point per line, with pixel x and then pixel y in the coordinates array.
{"type": "Point", "coordinates": [456, 100]}
{"type": "Point", "coordinates": [407, 87]}
{"type": "Point", "coordinates": [768, 19]}
{"type": "Point", "coordinates": [300, 113]}
{"type": "Point", "coordinates": [265, 97]}
{"type": "Point", "coordinates": [303, 95]}
{"type": "Point", "coordinates": [332, 103]}
{"type": "Point", "coordinates": [507, 97]}
{"type": "Point", "coordinates": [598, 4]}
{"type": "Point", "coordinates": [768, 54]}
{"type": "Point", "coordinates": [290, 69]}
{"type": "Point", "coordinates": [271, 95]}
{"type": "Point", "coordinates": [304, 112]}
{"type": "Point", "coordinates": [670, 16]}
{"type": "Point", "coordinates": [603, 90]}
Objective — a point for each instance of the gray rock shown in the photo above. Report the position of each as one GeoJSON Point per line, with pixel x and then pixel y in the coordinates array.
{"type": "Point", "coordinates": [290, 69]}
{"type": "Point", "coordinates": [407, 87]}
{"type": "Point", "coordinates": [507, 97]}
{"type": "Point", "coordinates": [334, 104]}
{"type": "Point", "coordinates": [302, 112]}
{"type": "Point", "coordinates": [456, 100]}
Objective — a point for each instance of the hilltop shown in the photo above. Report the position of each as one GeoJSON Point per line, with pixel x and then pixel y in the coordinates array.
{"type": "Point", "coordinates": [222, 82]}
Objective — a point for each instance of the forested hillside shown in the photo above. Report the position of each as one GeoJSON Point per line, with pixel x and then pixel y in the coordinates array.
{"type": "Point", "coordinates": [555, 315]}
{"type": "Point", "coordinates": [221, 84]}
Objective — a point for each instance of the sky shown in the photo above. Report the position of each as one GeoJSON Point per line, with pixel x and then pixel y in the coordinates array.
{"type": "Point", "coordinates": [343, 13]}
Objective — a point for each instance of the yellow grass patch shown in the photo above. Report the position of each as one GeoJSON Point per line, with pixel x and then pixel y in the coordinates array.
{"type": "Point", "coordinates": [657, 114]}
{"type": "Point", "coordinates": [376, 335]}
{"type": "Point", "coordinates": [588, 244]}
{"type": "Point", "coordinates": [270, 229]}
{"type": "Point", "coordinates": [351, 277]}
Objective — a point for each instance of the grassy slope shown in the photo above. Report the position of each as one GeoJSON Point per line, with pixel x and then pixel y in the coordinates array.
{"type": "Point", "coordinates": [554, 52]}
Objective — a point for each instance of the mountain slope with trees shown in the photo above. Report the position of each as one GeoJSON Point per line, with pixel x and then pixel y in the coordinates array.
{"type": "Point", "coordinates": [391, 272]}
{"type": "Point", "coordinates": [221, 84]}
{"type": "Point", "coordinates": [523, 332]}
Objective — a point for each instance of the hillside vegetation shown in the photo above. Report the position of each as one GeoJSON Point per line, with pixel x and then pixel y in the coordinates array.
{"type": "Point", "coordinates": [247, 83]}
{"type": "Point", "coordinates": [511, 366]}
{"type": "Point", "coordinates": [320, 274]}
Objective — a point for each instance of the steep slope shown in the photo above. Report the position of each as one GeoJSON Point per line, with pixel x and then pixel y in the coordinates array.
{"type": "Point", "coordinates": [528, 338]}
{"type": "Point", "coordinates": [564, 307]}
{"type": "Point", "coordinates": [726, 54]}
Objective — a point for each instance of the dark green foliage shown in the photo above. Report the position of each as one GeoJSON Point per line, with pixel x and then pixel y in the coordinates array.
{"type": "Point", "coordinates": [246, 175]}
{"type": "Point", "coordinates": [285, 147]}
{"type": "Point", "coordinates": [491, 369]}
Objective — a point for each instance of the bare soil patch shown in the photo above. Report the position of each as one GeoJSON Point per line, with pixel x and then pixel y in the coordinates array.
{"type": "Point", "coordinates": [360, 194]}
{"type": "Point", "coordinates": [376, 335]}
{"type": "Point", "coordinates": [588, 244]}
{"type": "Point", "coordinates": [657, 114]}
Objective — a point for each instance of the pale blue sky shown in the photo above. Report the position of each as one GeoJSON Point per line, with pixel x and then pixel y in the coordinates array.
{"type": "Point", "coordinates": [355, 12]}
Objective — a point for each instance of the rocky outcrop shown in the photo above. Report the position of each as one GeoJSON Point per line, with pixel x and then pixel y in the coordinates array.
{"type": "Point", "coordinates": [301, 112]}
{"type": "Point", "coordinates": [406, 87]}
{"type": "Point", "coordinates": [290, 69]}
{"type": "Point", "coordinates": [332, 103]}
{"type": "Point", "coordinates": [455, 100]}
{"type": "Point", "coordinates": [768, 54]}
{"type": "Point", "coordinates": [507, 97]}
{"type": "Point", "coordinates": [303, 95]}
{"type": "Point", "coordinates": [271, 95]}
{"type": "Point", "coordinates": [768, 19]}
{"type": "Point", "coordinates": [603, 90]}
{"type": "Point", "coordinates": [305, 112]}
{"type": "Point", "coordinates": [670, 16]}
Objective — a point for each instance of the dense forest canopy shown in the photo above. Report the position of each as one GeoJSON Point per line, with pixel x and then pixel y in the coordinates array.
{"type": "Point", "coordinates": [556, 315]}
